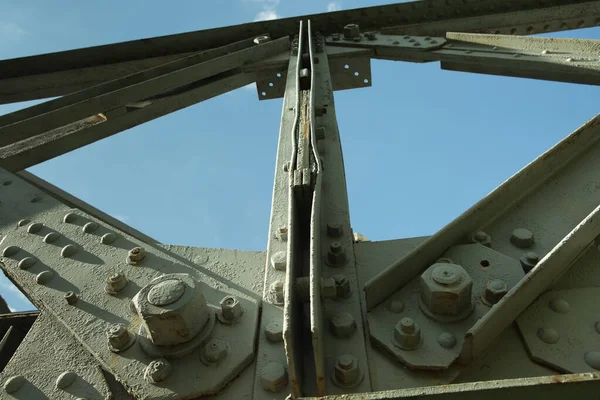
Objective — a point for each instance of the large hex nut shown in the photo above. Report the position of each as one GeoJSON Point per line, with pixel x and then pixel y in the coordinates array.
{"type": "Point", "coordinates": [446, 289]}
{"type": "Point", "coordinates": [172, 309]}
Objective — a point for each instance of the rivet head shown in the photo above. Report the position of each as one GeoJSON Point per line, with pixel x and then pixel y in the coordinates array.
{"type": "Point", "coordinates": [108, 238]}
{"type": "Point", "coordinates": [407, 334]}
{"type": "Point", "coordinates": [214, 351]}
{"type": "Point", "coordinates": [279, 260]}
{"type": "Point", "coordinates": [166, 292]}
{"type": "Point", "coordinates": [23, 222]}
{"type": "Point", "coordinates": [592, 359]}
{"type": "Point", "coordinates": [343, 325]}
{"type": "Point", "coordinates": [231, 310]}
{"type": "Point", "coordinates": [274, 331]}
{"type": "Point", "coordinates": [157, 371]}
{"type": "Point", "coordinates": [10, 251]}
{"type": "Point", "coordinates": [14, 383]}
{"type": "Point", "coordinates": [51, 237]}
{"type": "Point", "coordinates": [35, 227]}
{"type": "Point", "coordinates": [560, 306]}
{"type": "Point", "coordinates": [334, 229]}
{"type": "Point", "coordinates": [66, 379]}
{"type": "Point", "coordinates": [522, 238]}
{"type": "Point", "coordinates": [447, 340]}
{"type": "Point", "coordinates": [548, 335]}
{"type": "Point", "coordinates": [71, 298]}
{"type": "Point", "coordinates": [68, 251]}
{"type": "Point", "coordinates": [26, 263]}
{"type": "Point", "coordinates": [69, 218]}
{"type": "Point", "coordinates": [90, 227]}
{"type": "Point", "coordinates": [44, 277]}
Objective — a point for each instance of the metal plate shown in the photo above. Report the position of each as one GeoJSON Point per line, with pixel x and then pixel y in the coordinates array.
{"type": "Point", "coordinates": [270, 84]}
{"type": "Point", "coordinates": [350, 73]}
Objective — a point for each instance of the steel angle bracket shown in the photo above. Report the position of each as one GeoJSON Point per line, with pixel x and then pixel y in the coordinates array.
{"type": "Point", "coordinates": [67, 261]}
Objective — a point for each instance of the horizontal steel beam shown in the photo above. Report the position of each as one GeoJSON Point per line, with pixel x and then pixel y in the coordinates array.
{"type": "Point", "coordinates": [72, 70]}
{"type": "Point", "coordinates": [24, 154]}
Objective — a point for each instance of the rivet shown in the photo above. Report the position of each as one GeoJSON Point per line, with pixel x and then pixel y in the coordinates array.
{"type": "Point", "coordinates": [90, 227]}
{"type": "Point", "coordinates": [548, 335]}
{"type": "Point", "coordinates": [65, 379]}
{"type": "Point", "coordinates": [26, 263]}
{"type": "Point", "coordinates": [10, 251]}
{"type": "Point", "coordinates": [447, 340]}
{"type": "Point", "coordinates": [71, 298]}
{"type": "Point", "coordinates": [14, 383]}
{"type": "Point", "coordinates": [108, 238]}
{"type": "Point", "coordinates": [68, 251]}
{"type": "Point", "coordinates": [597, 327]}
{"type": "Point", "coordinates": [6, 183]}
{"type": "Point", "coordinates": [569, 59]}
{"type": "Point", "coordinates": [522, 238]}
{"type": "Point", "coordinates": [35, 227]}
{"type": "Point", "coordinates": [23, 222]}
{"type": "Point", "coordinates": [396, 306]}
{"type": "Point", "coordinates": [70, 218]}
{"type": "Point", "coordinates": [560, 306]}
{"type": "Point", "coordinates": [51, 237]}
{"type": "Point", "coordinates": [592, 358]}
{"type": "Point", "coordinates": [334, 230]}
{"type": "Point", "coordinates": [44, 277]}
{"type": "Point", "coordinates": [158, 370]}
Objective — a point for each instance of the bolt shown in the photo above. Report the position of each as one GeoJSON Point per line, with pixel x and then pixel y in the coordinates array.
{"type": "Point", "coordinates": [14, 383]}
{"type": "Point", "coordinates": [274, 331]}
{"type": "Point", "coordinates": [51, 237]}
{"type": "Point", "coordinates": [65, 379]}
{"type": "Point", "coordinates": [68, 251]}
{"type": "Point", "coordinates": [118, 337]}
{"type": "Point", "coordinates": [115, 283]}
{"type": "Point", "coordinates": [592, 359]}
{"type": "Point", "coordinates": [71, 298]}
{"type": "Point", "coordinates": [26, 263]}
{"type": "Point", "coordinates": [10, 251]}
{"type": "Point", "coordinates": [279, 260]}
{"type": "Point", "coordinates": [446, 290]}
{"type": "Point", "coordinates": [214, 351]}
{"type": "Point", "coordinates": [231, 309]}
{"type": "Point", "coordinates": [274, 377]}
{"type": "Point", "coordinates": [560, 306]}
{"type": "Point", "coordinates": [548, 335]}
{"type": "Point", "coordinates": [407, 334]}
{"type": "Point", "coordinates": [328, 288]}
{"type": "Point", "coordinates": [90, 227]}
{"type": "Point", "coordinates": [346, 371]}
{"type": "Point", "coordinates": [336, 256]}
{"type": "Point", "coordinates": [276, 293]}
{"type": "Point", "coordinates": [529, 260]}
{"type": "Point", "coordinates": [335, 36]}
{"type": "Point", "coordinates": [351, 32]}
{"type": "Point", "coordinates": [136, 255]}
{"type": "Point", "coordinates": [343, 325]}
{"type": "Point", "coordinates": [22, 222]}
{"type": "Point", "coordinates": [108, 238]}
{"type": "Point", "coordinates": [495, 289]}
{"type": "Point", "coordinates": [447, 340]}
{"type": "Point", "coordinates": [482, 238]}
{"type": "Point", "coordinates": [335, 230]}
{"type": "Point", "coordinates": [69, 218]}
{"type": "Point", "coordinates": [44, 277]}
{"type": "Point", "coordinates": [261, 39]}
{"type": "Point", "coordinates": [282, 233]}
{"type": "Point", "coordinates": [342, 285]}
{"type": "Point", "coordinates": [35, 227]}
{"type": "Point", "coordinates": [522, 238]}
{"type": "Point", "coordinates": [157, 371]}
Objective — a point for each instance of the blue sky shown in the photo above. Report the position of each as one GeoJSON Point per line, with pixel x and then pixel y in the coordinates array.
{"type": "Point", "coordinates": [420, 146]}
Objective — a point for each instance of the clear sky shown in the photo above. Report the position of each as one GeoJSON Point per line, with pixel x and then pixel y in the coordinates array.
{"type": "Point", "coordinates": [421, 145]}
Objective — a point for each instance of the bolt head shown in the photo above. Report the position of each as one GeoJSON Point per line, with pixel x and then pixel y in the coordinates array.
{"type": "Point", "coordinates": [334, 230]}
{"type": "Point", "coordinates": [157, 371]}
{"type": "Point", "coordinates": [328, 288]}
{"type": "Point", "coordinates": [231, 309]}
{"type": "Point", "coordinates": [351, 32]}
{"type": "Point", "coordinates": [529, 260]}
{"type": "Point", "coordinates": [407, 334]}
{"type": "Point", "coordinates": [274, 331]}
{"type": "Point", "coordinates": [136, 255]}
{"type": "Point", "coordinates": [343, 325]}
{"type": "Point", "coordinates": [336, 256]}
{"type": "Point", "coordinates": [276, 292]}
{"type": "Point", "coordinates": [274, 377]}
{"type": "Point", "coordinates": [522, 238]}
{"type": "Point", "coordinates": [65, 379]}
{"type": "Point", "coordinates": [495, 289]}
{"type": "Point", "coordinates": [115, 283]}
{"type": "Point", "coordinates": [214, 351]}
{"type": "Point", "coordinates": [342, 285]}
{"type": "Point", "coordinates": [446, 289]}
{"type": "Point", "coordinates": [346, 371]}
{"type": "Point", "coordinates": [261, 39]}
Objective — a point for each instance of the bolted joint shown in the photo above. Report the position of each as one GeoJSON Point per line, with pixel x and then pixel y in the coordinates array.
{"type": "Point", "coordinates": [231, 310]}
{"type": "Point", "coordinates": [446, 291]}
{"type": "Point", "coordinates": [342, 286]}
{"type": "Point", "coordinates": [343, 325]}
{"type": "Point", "coordinates": [352, 32]}
{"type": "Point", "coordinates": [136, 255]}
{"type": "Point", "coordinates": [119, 338]}
{"type": "Point", "coordinates": [157, 371]}
{"type": "Point", "coordinates": [407, 334]}
{"type": "Point", "coordinates": [336, 257]}
{"type": "Point", "coordinates": [115, 283]}
{"type": "Point", "coordinates": [495, 289]}
{"type": "Point", "coordinates": [529, 260]}
{"type": "Point", "coordinates": [347, 372]}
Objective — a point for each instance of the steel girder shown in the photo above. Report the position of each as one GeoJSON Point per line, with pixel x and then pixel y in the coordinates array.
{"type": "Point", "coordinates": [321, 312]}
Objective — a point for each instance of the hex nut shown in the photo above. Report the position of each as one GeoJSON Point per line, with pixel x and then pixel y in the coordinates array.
{"type": "Point", "coordinates": [276, 293]}
{"type": "Point", "coordinates": [231, 310]}
{"type": "Point", "coordinates": [274, 331]}
{"type": "Point", "coordinates": [343, 325]}
{"type": "Point", "coordinates": [282, 233]}
{"type": "Point", "coordinates": [351, 31]}
{"type": "Point", "coordinates": [342, 286]}
{"type": "Point", "coordinates": [119, 338]}
{"type": "Point", "coordinates": [172, 309]}
{"type": "Point", "coordinates": [407, 334]}
{"type": "Point", "coordinates": [328, 288]}
{"type": "Point", "coordinates": [274, 377]}
{"type": "Point", "coordinates": [482, 238]}
{"type": "Point", "coordinates": [68, 251]}
{"type": "Point", "coordinates": [71, 298]}
{"type": "Point", "coordinates": [446, 289]}
{"type": "Point", "coordinates": [529, 260]}
{"type": "Point", "coordinates": [115, 283]}
{"type": "Point", "coordinates": [336, 256]}
{"type": "Point", "coordinates": [279, 261]}
{"type": "Point", "coordinates": [136, 255]}
{"type": "Point", "coordinates": [214, 351]}
{"type": "Point", "coordinates": [157, 371]}
{"type": "Point", "coordinates": [335, 230]}
{"type": "Point", "coordinates": [522, 238]}
{"type": "Point", "coordinates": [347, 372]}
{"type": "Point", "coordinates": [495, 289]}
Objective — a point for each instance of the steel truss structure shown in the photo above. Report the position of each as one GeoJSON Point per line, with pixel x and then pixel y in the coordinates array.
{"type": "Point", "coordinates": [501, 302]}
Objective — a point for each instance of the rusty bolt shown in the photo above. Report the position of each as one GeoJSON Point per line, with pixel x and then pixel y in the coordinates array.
{"type": "Point", "coordinates": [336, 256]}
{"type": "Point", "coordinates": [529, 260]}
{"type": "Point", "coordinates": [136, 255]}
{"type": "Point", "coordinates": [446, 289]}
{"type": "Point", "coordinates": [274, 377]}
{"type": "Point", "coordinates": [351, 32]}
{"type": "Point", "coordinates": [495, 289]}
{"type": "Point", "coordinates": [407, 334]}
{"type": "Point", "coordinates": [346, 371]}
{"type": "Point", "coordinates": [118, 337]}
{"type": "Point", "coordinates": [343, 325]}
{"type": "Point", "coordinates": [115, 283]}
{"type": "Point", "coordinates": [335, 230]}
{"type": "Point", "coordinates": [231, 309]}
{"type": "Point", "coordinates": [522, 238]}
{"type": "Point", "coordinates": [482, 238]}
{"type": "Point", "coordinates": [71, 298]}
{"type": "Point", "coordinates": [274, 331]}
{"type": "Point", "coordinates": [158, 370]}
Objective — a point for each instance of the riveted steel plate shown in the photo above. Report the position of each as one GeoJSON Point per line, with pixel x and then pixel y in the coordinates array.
{"type": "Point", "coordinates": [85, 273]}
{"type": "Point", "coordinates": [482, 264]}
{"type": "Point", "coordinates": [561, 327]}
